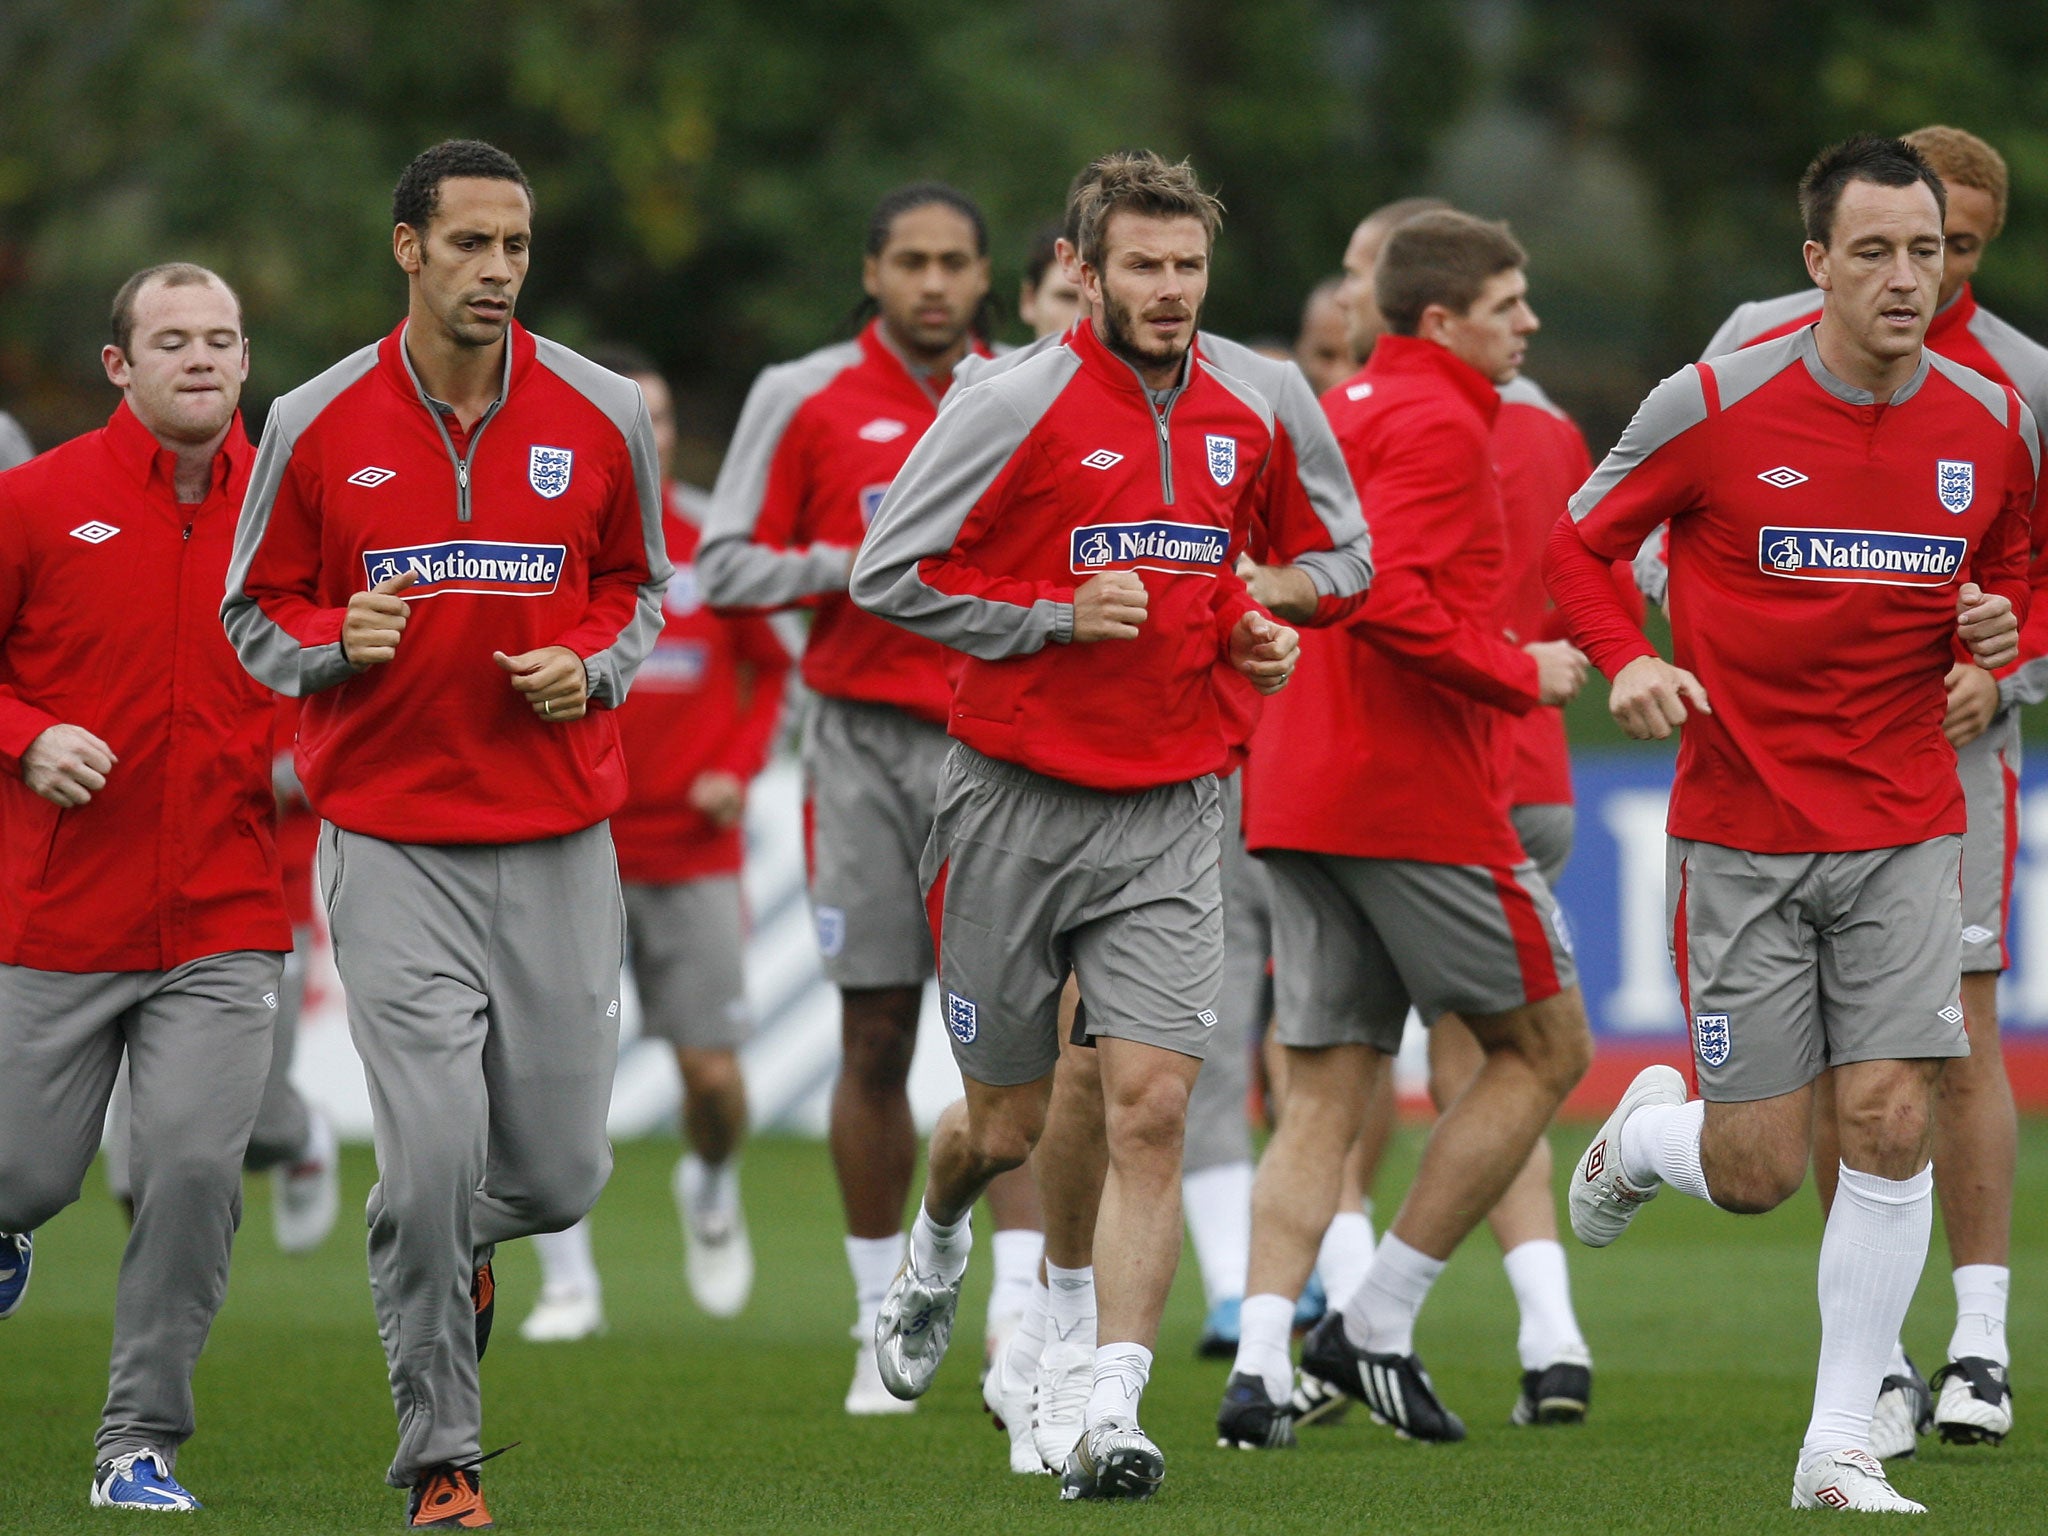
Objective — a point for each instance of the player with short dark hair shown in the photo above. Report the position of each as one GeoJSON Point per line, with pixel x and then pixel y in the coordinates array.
{"type": "Point", "coordinates": [1846, 507]}
{"type": "Point", "coordinates": [1431, 899]}
{"type": "Point", "coordinates": [1322, 347]}
{"type": "Point", "coordinates": [1049, 300]}
{"type": "Point", "coordinates": [1072, 834]}
{"type": "Point", "coordinates": [696, 731]}
{"type": "Point", "coordinates": [817, 445]}
{"type": "Point", "coordinates": [1976, 1132]}
{"type": "Point", "coordinates": [452, 550]}
{"type": "Point", "coordinates": [140, 914]}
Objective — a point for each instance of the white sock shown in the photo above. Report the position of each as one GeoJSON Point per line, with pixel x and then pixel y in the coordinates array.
{"type": "Point", "coordinates": [1263, 1329]}
{"type": "Point", "coordinates": [940, 1251]}
{"type": "Point", "coordinates": [710, 1189]}
{"type": "Point", "coordinates": [1662, 1141]}
{"type": "Point", "coordinates": [1218, 1205]}
{"type": "Point", "coordinates": [1070, 1305]}
{"type": "Point", "coordinates": [1121, 1371]}
{"type": "Point", "coordinates": [1017, 1251]}
{"type": "Point", "coordinates": [1981, 1292]}
{"type": "Point", "coordinates": [1380, 1316]}
{"type": "Point", "coordinates": [874, 1262]}
{"type": "Point", "coordinates": [1346, 1253]}
{"type": "Point", "coordinates": [1870, 1260]}
{"type": "Point", "coordinates": [1543, 1292]}
{"type": "Point", "coordinates": [1019, 1364]}
{"type": "Point", "coordinates": [1900, 1365]}
{"type": "Point", "coordinates": [566, 1265]}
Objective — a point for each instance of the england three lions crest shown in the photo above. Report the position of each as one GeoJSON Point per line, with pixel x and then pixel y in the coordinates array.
{"type": "Point", "coordinates": [548, 469]}
{"type": "Point", "coordinates": [1222, 459]}
{"type": "Point", "coordinates": [1955, 482]}
{"type": "Point", "coordinates": [1710, 1038]}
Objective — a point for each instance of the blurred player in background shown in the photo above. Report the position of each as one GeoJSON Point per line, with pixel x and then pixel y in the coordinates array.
{"type": "Point", "coordinates": [1322, 348]}
{"type": "Point", "coordinates": [15, 447]}
{"type": "Point", "coordinates": [452, 550]}
{"type": "Point", "coordinates": [1050, 299]}
{"type": "Point", "coordinates": [696, 731]}
{"type": "Point", "coordinates": [1976, 1130]}
{"type": "Point", "coordinates": [1074, 834]}
{"type": "Point", "coordinates": [1846, 506]}
{"type": "Point", "coordinates": [816, 448]}
{"type": "Point", "coordinates": [1430, 900]}
{"type": "Point", "coordinates": [140, 914]}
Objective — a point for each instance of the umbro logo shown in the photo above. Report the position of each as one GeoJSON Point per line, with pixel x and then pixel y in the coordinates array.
{"type": "Point", "coordinates": [1596, 1160]}
{"type": "Point", "coordinates": [1102, 458]}
{"type": "Point", "coordinates": [94, 532]}
{"type": "Point", "coordinates": [1977, 933]}
{"type": "Point", "coordinates": [1208, 1018]}
{"type": "Point", "coordinates": [1784, 477]}
{"type": "Point", "coordinates": [370, 476]}
{"type": "Point", "coordinates": [883, 429]}
{"type": "Point", "coordinates": [1952, 1013]}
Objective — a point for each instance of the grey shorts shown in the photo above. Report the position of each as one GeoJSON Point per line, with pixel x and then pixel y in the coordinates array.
{"type": "Point", "coordinates": [871, 778]}
{"type": "Point", "coordinates": [686, 946]}
{"type": "Point", "coordinates": [1990, 770]}
{"type": "Point", "coordinates": [1789, 963]}
{"type": "Point", "coordinates": [1356, 942]}
{"type": "Point", "coordinates": [1546, 832]}
{"type": "Point", "coordinates": [1030, 878]}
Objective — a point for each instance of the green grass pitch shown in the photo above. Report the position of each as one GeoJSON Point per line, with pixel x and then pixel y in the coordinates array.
{"type": "Point", "coordinates": [1703, 1327]}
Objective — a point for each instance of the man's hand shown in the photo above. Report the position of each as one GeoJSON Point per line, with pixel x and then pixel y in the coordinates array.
{"type": "Point", "coordinates": [67, 765]}
{"type": "Point", "coordinates": [1972, 701]}
{"type": "Point", "coordinates": [1110, 606]}
{"type": "Point", "coordinates": [1264, 651]}
{"type": "Point", "coordinates": [1650, 696]}
{"type": "Point", "coordinates": [1560, 670]}
{"type": "Point", "coordinates": [722, 797]}
{"type": "Point", "coordinates": [1285, 591]}
{"type": "Point", "coordinates": [1988, 626]}
{"type": "Point", "coordinates": [551, 679]}
{"type": "Point", "coordinates": [375, 621]}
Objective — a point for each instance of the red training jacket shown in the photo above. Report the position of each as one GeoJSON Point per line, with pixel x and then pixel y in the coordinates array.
{"type": "Point", "coordinates": [707, 701]}
{"type": "Point", "coordinates": [1029, 483]}
{"type": "Point", "coordinates": [108, 595]}
{"type": "Point", "coordinates": [1388, 743]}
{"type": "Point", "coordinates": [541, 526]}
{"type": "Point", "coordinates": [817, 446]}
{"type": "Point", "coordinates": [1817, 540]}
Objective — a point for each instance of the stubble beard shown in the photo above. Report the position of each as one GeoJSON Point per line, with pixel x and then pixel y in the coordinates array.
{"type": "Point", "coordinates": [1123, 338]}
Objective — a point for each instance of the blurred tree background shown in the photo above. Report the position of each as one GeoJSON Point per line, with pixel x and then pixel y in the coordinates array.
{"type": "Point", "coordinates": [704, 169]}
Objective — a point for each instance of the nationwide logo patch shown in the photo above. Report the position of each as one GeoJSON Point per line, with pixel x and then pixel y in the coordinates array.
{"type": "Point", "coordinates": [674, 665]}
{"type": "Point", "coordinates": [470, 565]}
{"type": "Point", "coordinates": [1710, 1038]}
{"type": "Point", "coordinates": [94, 532]}
{"type": "Point", "coordinates": [961, 1018]}
{"type": "Point", "coordinates": [1860, 554]}
{"type": "Point", "coordinates": [1955, 482]}
{"type": "Point", "coordinates": [548, 469]}
{"type": "Point", "coordinates": [1152, 546]}
{"type": "Point", "coordinates": [370, 476]}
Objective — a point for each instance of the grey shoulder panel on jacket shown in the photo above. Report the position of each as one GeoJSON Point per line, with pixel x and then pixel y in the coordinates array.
{"type": "Point", "coordinates": [1742, 373]}
{"type": "Point", "coordinates": [15, 448]}
{"type": "Point", "coordinates": [973, 368]}
{"type": "Point", "coordinates": [1523, 390]}
{"type": "Point", "coordinates": [295, 411]}
{"type": "Point", "coordinates": [2024, 359]}
{"type": "Point", "coordinates": [1669, 411]}
{"type": "Point", "coordinates": [612, 393]}
{"type": "Point", "coordinates": [1985, 392]}
{"type": "Point", "coordinates": [1254, 399]}
{"type": "Point", "coordinates": [1753, 319]}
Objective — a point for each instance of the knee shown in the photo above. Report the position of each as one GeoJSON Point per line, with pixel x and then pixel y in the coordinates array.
{"type": "Point", "coordinates": [710, 1074]}
{"type": "Point", "coordinates": [878, 1034]}
{"type": "Point", "coordinates": [564, 1195]}
{"type": "Point", "coordinates": [1148, 1118]}
{"type": "Point", "coordinates": [30, 1196]}
{"type": "Point", "coordinates": [1752, 1186]}
{"type": "Point", "coordinates": [1888, 1130]}
{"type": "Point", "coordinates": [1003, 1137]}
{"type": "Point", "coordinates": [1558, 1045]}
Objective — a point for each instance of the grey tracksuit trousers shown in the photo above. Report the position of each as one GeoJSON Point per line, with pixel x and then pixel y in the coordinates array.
{"type": "Point", "coordinates": [483, 985]}
{"type": "Point", "coordinates": [197, 1040]}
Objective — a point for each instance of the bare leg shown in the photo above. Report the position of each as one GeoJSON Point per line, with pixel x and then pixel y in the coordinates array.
{"type": "Point", "coordinates": [1534, 1055]}
{"type": "Point", "coordinates": [1827, 1141]}
{"type": "Point", "coordinates": [988, 1132]}
{"type": "Point", "coordinates": [1526, 1212]}
{"type": "Point", "coordinates": [1145, 1098]}
{"type": "Point", "coordinates": [1976, 1136]}
{"type": "Point", "coordinates": [714, 1102]}
{"type": "Point", "coordinates": [1297, 1187]}
{"type": "Point", "coordinates": [874, 1145]}
{"type": "Point", "coordinates": [1074, 1156]}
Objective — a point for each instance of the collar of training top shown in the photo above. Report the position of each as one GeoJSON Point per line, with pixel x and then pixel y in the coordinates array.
{"type": "Point", "coordinates": [1394, 356]}
{"type": "Point", "coordinates": [1111, 369]}
{"type": "Point", "coordinates": [397, 370]}
{"type": "Point", "coordinates": [137, 451]}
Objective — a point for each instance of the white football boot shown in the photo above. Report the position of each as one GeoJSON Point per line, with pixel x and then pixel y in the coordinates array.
{"type": "Point", "coordinates": [305, 1196]}
{"type": "Point", "coordinates": [1976, 1402]}
{"type": "Point", "coordinates": [1066, 1376]}
{"type": "Point", "coordinates": [1601, 1202]}
{"type": "Point", "coordinates": [564, 1315]}
{"type": "Point", "coordinates": [718, 1256]}
{"type": "Point", "coordinates": [1852, 1480]}
{"type": "Point", "coordinates": [914, 1327]}
{"type": "Point", "coordinates": [1904, 1412]}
